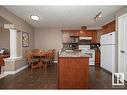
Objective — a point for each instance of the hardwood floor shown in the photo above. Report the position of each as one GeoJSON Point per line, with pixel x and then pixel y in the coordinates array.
{"type": "Point", "coordinates": [41, 79]}
{"type": "Point", "coordinates": [101, 79]}
{"type": "Point", "coordinates": [37, 79]}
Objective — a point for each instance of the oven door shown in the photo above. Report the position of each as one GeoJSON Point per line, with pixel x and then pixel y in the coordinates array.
{"type": "Point", "coordinates": [91, 53]}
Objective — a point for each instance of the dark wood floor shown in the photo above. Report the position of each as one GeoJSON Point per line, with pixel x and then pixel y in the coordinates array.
{"type": "Point", "coordinates": [41, 79]}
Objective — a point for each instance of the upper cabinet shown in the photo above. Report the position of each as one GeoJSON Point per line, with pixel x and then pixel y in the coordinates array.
{"type": "Point", "coordinates": [86, 33]}
{"type": "Point", "coordinates": [94, 36]}
{"type": "Point", "coordinates": [110, 27]}
{"type": "Point", "coordinates": [67, 34]}
{"type": "Point", "coordinates": [89, 33]}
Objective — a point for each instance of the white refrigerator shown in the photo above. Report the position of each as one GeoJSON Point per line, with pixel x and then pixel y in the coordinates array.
{"type": "Point", "coordinates": [108, 52]}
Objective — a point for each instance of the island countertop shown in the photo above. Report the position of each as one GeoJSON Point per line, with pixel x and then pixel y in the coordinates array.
{"type": "Point", "coordinates": [72, 53]}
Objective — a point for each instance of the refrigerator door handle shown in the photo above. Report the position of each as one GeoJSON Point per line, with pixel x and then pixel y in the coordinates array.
{"type": "Point", "coordinates": [122, 51]}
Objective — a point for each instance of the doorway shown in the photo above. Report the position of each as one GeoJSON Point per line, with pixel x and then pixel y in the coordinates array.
{"type": "Point", "coordinates": [122, 45]}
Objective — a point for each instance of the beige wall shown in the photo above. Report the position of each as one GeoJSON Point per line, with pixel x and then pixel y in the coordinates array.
{"type": "Point", "coordinates": [48, 39]}
{"type": "Point", "coordinates": [22, 26]}
{"type": "Point", "coordinates": [5, 39]}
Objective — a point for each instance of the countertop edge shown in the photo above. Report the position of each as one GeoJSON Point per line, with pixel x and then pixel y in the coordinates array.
{"type": "Point", "coordinates": [75, 57]}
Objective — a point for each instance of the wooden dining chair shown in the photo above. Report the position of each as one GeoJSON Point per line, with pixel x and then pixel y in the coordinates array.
{"type": "Point", "coordinates": [36, 53]}
{"type": "Point", "coordinates": [33, 62]}
{"type": "Point", "coordinates": [49, 58]}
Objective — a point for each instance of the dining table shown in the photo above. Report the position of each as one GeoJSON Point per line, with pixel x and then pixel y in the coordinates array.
{"type": "Point", "coordinates": [41, 56]}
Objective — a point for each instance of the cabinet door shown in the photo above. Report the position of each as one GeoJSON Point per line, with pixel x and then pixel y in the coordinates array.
{"type": "Point", "coordinates": [106, 29]}
{"type": "Point", "coordinates": [76, 33]}
{"type": "Point", "coordinates": [97, 57]}
{"type": "Point", "coordinates": [94, 37]}
{"type": "Point", "coordinates": [82, 33]}
{"type": "Point", "coordinates": [110, 27]}
{"type": "Point", "coordinates": [88, 33]}
{"type": "Point", "coordinates": [73, 73]}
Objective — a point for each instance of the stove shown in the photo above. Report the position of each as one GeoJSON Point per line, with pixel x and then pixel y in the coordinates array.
{"type": "Point", "coordinates": [85, 49]}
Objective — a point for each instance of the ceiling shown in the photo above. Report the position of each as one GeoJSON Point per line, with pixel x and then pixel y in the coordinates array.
{"type": "Point", "coordinates": [65, 16]}
{"type": "Point", "coordinates": [3, 21]}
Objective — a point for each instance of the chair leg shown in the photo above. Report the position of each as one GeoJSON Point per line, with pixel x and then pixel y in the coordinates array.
{"type": "Point", "coordinates": [31, 67]}
{"type": "Point", "coordinates": [46, 64]}
{"type": "Point", "coordinates": [40, 64]}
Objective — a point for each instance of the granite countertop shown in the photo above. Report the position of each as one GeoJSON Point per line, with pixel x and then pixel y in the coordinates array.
{"type": "Point", "coordinates": [72, 53]}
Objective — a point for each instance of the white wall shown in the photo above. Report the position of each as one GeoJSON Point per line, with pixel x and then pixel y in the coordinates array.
{"type": "Point", "coordinates": [48, 39]}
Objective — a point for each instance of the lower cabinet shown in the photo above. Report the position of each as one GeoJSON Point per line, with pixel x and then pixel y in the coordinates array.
{"type": "Point", "coordinates": [73, 72]}
{"type": "Point", "coordinates": [97, 57]}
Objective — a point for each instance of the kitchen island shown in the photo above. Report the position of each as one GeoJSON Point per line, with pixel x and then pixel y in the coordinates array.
{"type": "Point", "coordinates": [73, 70]}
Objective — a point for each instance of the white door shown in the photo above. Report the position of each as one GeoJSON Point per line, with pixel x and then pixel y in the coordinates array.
{"type": "Point", "coordinates": [122, 45]}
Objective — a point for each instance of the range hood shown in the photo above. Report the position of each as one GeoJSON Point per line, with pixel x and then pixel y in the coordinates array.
{"type": "Point", "coordinates": [85, 38]}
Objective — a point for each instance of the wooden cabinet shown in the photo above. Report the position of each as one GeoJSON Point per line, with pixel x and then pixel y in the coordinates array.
{"type": "Point", "coordinates": [66, 34]}
{"type": "Point", "coordinates": [110, 27]}
{"type": "Point", "coordinates": [88, 33]}
{"type": "Point", "coordinates": [85, 33]}
{"type": "Point", "coordinates": [97, 57]}
{"type": "Point", "coordinates": [74, 33]}
{"type": "Point", "coordinates": [73, 72]}
{"type": "Point", "coordinates": [94, 37]}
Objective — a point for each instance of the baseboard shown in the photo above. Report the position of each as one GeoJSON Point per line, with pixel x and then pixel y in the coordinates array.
{"type": "Point", "coordinates": [2, 75]}
{"type": "Point", "coordinates": [20, 69]}
{"type": "Point", "coordinates": [106, 70]}
{"type": "Point", "coordinates": [14, 72]}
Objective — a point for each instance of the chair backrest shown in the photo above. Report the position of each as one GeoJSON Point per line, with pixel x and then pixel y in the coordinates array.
{"type": "Point", "coordinates": [37, 51]}
{"type": "Point", "coordinates": [29, 56]}
{"type": "Point", "coordinates": [1, 61]}
{"type": "Point", "coordinates": [50, 54]}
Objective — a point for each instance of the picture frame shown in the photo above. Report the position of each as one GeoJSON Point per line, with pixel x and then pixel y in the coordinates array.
{"type": "Point", "coordinates": [25, 39]}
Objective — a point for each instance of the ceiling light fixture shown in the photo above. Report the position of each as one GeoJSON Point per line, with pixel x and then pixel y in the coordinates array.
{"type": "Point", "coordinates": [99, 15]}
{"type": "Point", "coordinates": [34, 17]}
